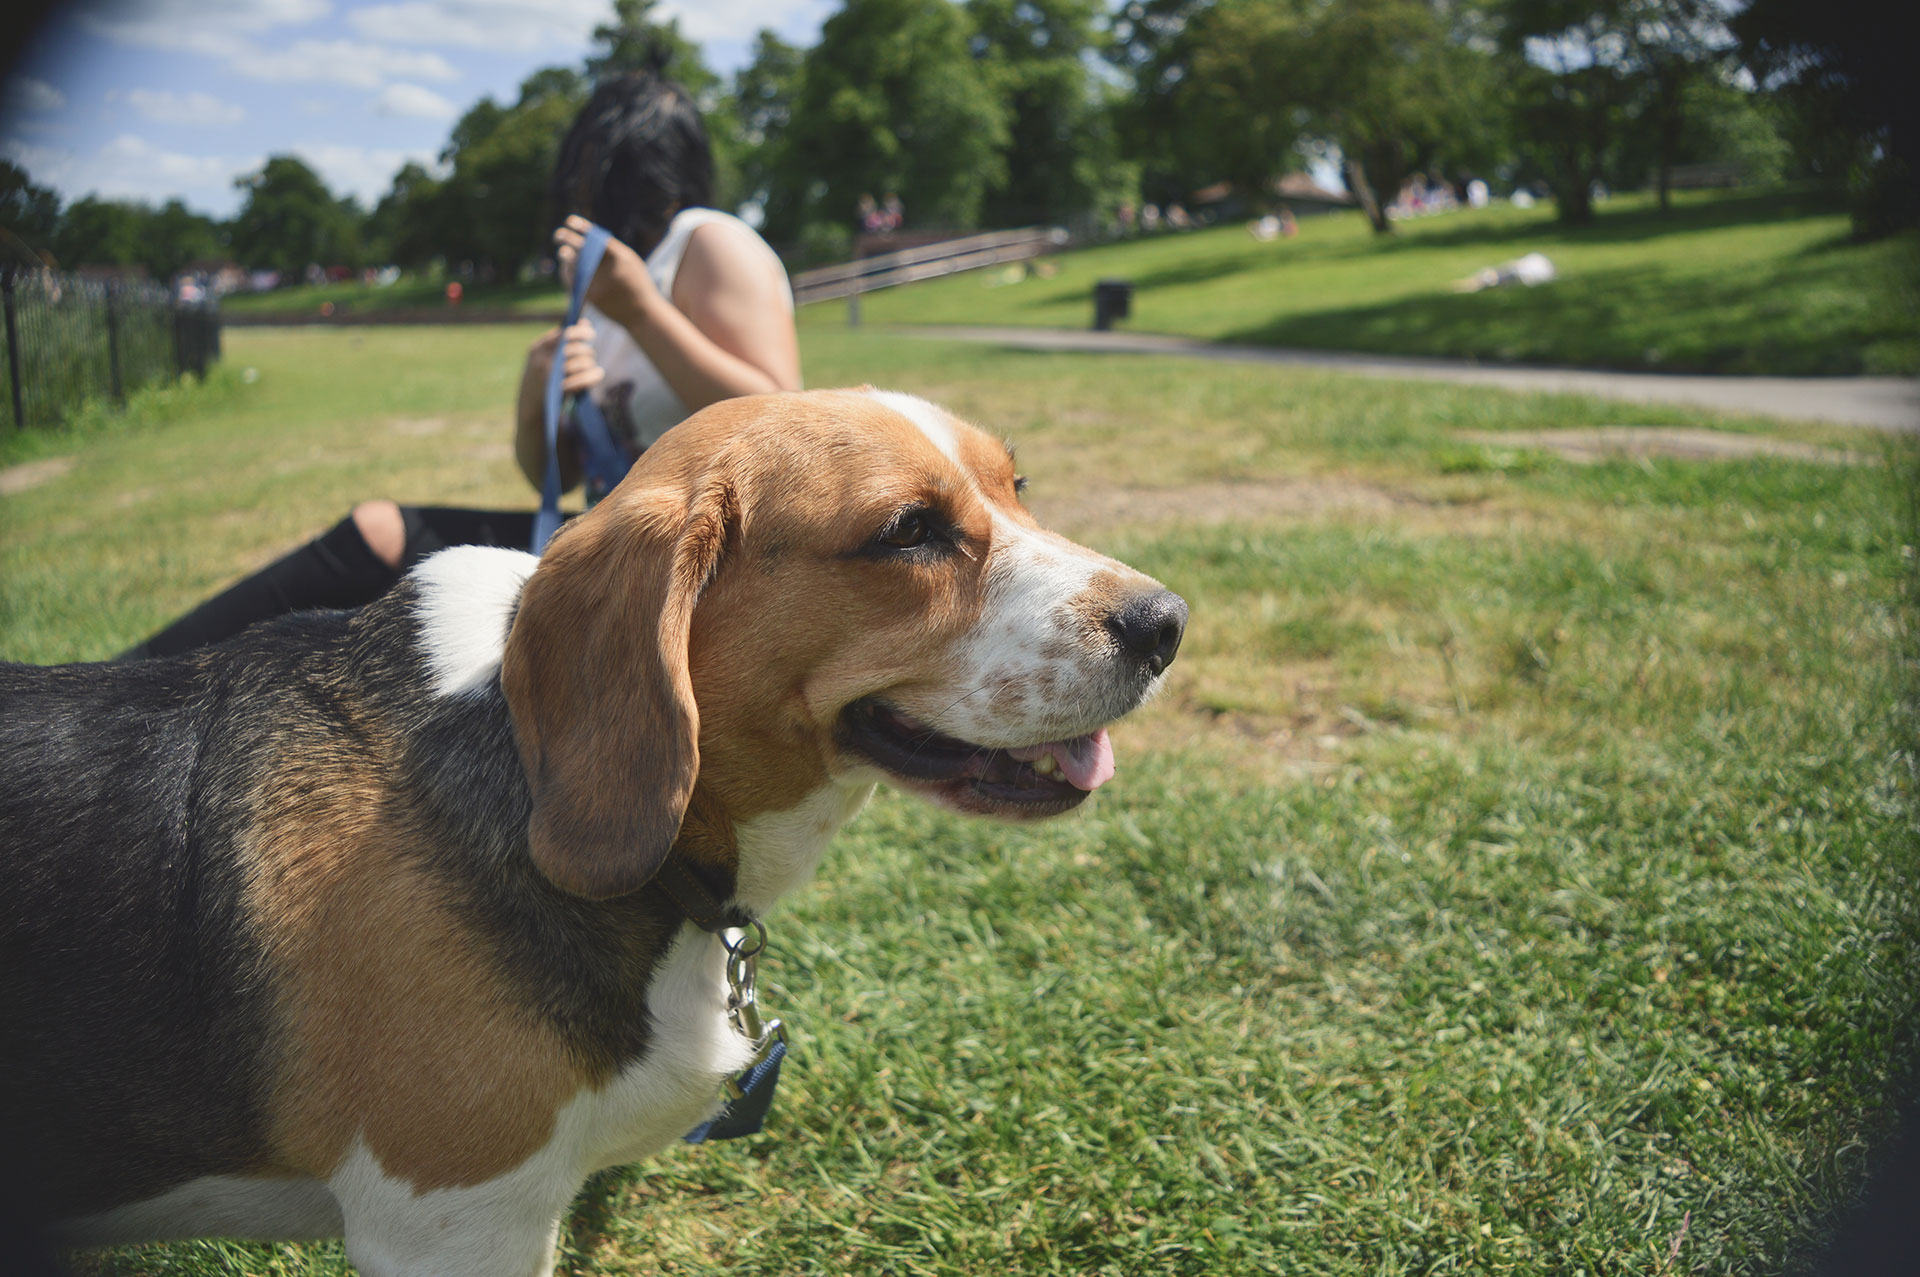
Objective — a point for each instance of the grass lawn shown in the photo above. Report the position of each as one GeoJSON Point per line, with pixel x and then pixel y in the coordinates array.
{"type": "Point", "coordinates": [1517, 877]}
{"type": "Point", "coordinates": [408, 293]}
{"type": "Point", "coordinates": [1728, 283]}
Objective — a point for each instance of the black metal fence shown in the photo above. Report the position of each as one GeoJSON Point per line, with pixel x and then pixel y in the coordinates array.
{"type": "Point", "coordinates": [71, 339]}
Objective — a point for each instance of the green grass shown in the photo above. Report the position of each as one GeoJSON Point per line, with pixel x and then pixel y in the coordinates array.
{"type": "Point", "coordinates": [1516, 878]}
{"type": "Point", "coordinates": [408, 293]}
{"type": "Point", "coordinates": [1728, 283]}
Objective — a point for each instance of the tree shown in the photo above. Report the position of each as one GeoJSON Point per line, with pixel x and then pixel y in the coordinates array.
{"type": "Point", "coordinates": [97, 232]}
{"type": "Point", "coordinates": [1605, 86]}
{"type": "Point", "coordinates": [761, 108]}
{"type": "Point", "coordinates": [407, 225]}
{"type": "Point", "coordinates": [1061, 152]}
{"type": "Point", "coordinates": [493, 209]}
{"type": "Point", "coordinates": [1240, 86]}
{"type": "Point", "coordinates": [176, 237]}
{"type": "Point", "coordinates": [1165, 123]}
{"type": "Point", "coordinates": [893, 101]}
{"type": "Point", "coordinates": [1400, 87]}
{"type": "Point", "coordinates": [1673, 45]}
{"type": "Point", "coordinates": [290, 220]}
{"type": "Point", "coordinates": [29, 214]}
{"type": "Point", "coordinates": [1847, 76]}
{"type": "Point", "coordinates": [636, 41]}
{"type": "Point", "coordinates": [1572, 90]}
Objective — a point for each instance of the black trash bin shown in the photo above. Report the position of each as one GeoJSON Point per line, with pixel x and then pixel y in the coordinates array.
{"type": "Point", "coordinates": [1112, 299]}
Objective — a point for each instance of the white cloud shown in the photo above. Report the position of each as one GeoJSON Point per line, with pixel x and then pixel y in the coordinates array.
{"type": "Point", "coordinates": [414, 102]}
{"type": "Point", "coordinates": [131, 168]}
{"type": "Point", "coordinates": [532, 24]}
{"type": "Point", "coordinates": [704, 21]}
{"type": "Point", "coordinates": [365, 172]}
{"type": "Point", "coordinates": [360, 66]}
{"type": "Point", "coordinates": [482, 24]}
{"type": "Point", "coordinates": [226, 31]}
{"type": "Point", "coordinates": [27, 96]}
{"type": "Point", "coordinates": [194, 24]}
{"type": "Point", "coordinates": [193, 108]}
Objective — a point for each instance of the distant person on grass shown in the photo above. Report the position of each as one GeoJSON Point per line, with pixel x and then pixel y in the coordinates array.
{"type": "Point", "coordinates": [689, 307]}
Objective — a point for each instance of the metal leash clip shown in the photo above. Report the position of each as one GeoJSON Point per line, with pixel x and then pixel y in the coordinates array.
{"type": "Point", "coordinates": [743, 1009]}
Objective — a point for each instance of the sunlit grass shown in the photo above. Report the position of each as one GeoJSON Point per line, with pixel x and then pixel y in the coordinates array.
{"type": "Point", "coordinates": [1516, 877]}
{"type": "Point", "coordinates": [1740, 283]}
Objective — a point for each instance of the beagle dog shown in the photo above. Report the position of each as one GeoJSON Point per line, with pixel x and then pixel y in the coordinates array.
{"type": "Point", "coordinates": [358, 923]}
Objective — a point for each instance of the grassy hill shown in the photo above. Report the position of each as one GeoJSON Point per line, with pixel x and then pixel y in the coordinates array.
{"type": "Point", "coordinates": [1729, 283]}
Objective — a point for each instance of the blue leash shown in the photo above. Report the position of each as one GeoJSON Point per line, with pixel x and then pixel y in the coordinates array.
{"type": "Point", "coordinates": [746, 1115]}
{"type": "Point", "coordinates": [606, 462]}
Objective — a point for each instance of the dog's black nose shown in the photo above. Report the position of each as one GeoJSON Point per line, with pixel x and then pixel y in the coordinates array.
{"type": "Point", "coordinates": [1150, 627]}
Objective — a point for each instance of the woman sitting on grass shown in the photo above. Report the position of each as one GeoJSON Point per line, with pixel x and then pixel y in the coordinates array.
{"type": "Point", "coordinates": [689, 307]}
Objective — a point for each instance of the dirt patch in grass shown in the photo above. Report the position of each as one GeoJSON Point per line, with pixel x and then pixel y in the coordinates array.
{"type": "Point", "coordinates": [1602, 443]}
{"type": "Point", "coordinates": [1302, 721]}
{"type": "Point", "coordinates": [31, 474]}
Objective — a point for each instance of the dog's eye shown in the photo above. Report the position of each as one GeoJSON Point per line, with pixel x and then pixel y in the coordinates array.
{"type": "Point", "coordinates": [910, 529]}
{"type": "Point", "coordinates": [1019, 484]}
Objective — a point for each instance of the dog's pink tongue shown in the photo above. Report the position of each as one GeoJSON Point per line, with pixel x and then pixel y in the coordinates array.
{"type": "Point", "coordinates": [1086, 761]}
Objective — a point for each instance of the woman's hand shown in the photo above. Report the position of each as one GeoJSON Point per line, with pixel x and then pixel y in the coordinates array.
{"type": "Point", "coordinates": [582, 370]}
{"type": "Point", "coordinates": [621, 288]}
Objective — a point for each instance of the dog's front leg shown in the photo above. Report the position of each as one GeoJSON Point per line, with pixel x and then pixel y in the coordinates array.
{"type": "Point", "coordinates": [504, 1227]}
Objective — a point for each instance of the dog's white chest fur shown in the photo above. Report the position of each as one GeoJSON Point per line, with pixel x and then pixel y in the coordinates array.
{"type": "Point", "coordinates": [508, 1224]}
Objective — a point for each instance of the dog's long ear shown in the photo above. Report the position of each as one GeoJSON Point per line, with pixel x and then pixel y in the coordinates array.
{"type": "Point", "coordinates": [595, 675]}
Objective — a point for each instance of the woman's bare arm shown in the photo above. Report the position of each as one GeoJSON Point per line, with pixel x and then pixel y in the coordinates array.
{"type": "Point", "coordinates": [583, 372]}
{"type": "Point", "coordinates": [728, 329]}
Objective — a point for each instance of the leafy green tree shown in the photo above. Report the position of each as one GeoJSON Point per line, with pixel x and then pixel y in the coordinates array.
{"type": "Point", "coordinates": [289, 220]}
{"type": "Point", "coordinates": [636, 40]}
{"type": "Point", "coordinates": [176, 237]}
{"type": "Point", "coordinates": [29, 214]}
{"type": "Point", "coordinates": [96, 232]}
{"type": "Point", "coordinates": [1572, 90]}
{"type": "Point", "coordinates": [406, 226]}
{"type": "Point", "coordinates": [493, 208]}
{"type": "Point", "coordinates": [1236, 88]}
{"type": "Point", "coordinates": [761, 108]}
{"type": "Point", "coordinates": [1847, 78]}
{"type": "Point", "coordinates": [1061, 151]}
{"type": "Point", "coordinates": [893, 101]}
{"type": "Point", "coordinates": [1165, 124]}
{"type": "Point", "coordinates": [1605, 85]}
{"type": "Point", "coordinates": [1400, 86]}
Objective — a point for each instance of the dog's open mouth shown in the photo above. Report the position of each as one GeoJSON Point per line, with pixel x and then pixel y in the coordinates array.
{"type": "Point", "coordinates": [1041, 779]}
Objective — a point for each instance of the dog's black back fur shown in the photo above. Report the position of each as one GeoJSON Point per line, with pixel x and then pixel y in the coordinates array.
{"type": "Point", "coordinates": [119, 806]}
{"type": "Point", "coordinates": [135, 997]}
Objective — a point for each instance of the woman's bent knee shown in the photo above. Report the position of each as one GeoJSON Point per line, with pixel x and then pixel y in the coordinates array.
{"type": "Point", "coordinates": [382, 528]}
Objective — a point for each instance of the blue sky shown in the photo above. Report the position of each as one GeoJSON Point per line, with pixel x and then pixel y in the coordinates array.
{"type": "Point", "coordinates": [156, 99]}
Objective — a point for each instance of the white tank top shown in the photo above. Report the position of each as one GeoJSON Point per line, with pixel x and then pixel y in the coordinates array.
{"type": "Point", "coordinates": [638, 403]}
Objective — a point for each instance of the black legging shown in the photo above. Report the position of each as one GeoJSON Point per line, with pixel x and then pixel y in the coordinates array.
{"type": "Point", "coordinates": [335, 569]}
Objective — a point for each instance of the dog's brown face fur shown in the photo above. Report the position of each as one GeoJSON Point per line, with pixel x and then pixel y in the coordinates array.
{"type": "Point", "coordinates": [808, 558]}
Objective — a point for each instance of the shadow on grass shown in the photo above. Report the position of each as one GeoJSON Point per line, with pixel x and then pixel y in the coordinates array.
{"type": "Point", "coordinates": [1640, 319]}
{"type": "Point", "coordinates": [1200, 270]}
{"type": "Point", "coordinates": [1623, 226]}
{"type": "Point", "coordinates": [1510, 239]}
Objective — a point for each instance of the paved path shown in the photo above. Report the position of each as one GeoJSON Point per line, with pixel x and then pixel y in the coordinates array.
{"type": "Point", "coordinates": [1880, 403]}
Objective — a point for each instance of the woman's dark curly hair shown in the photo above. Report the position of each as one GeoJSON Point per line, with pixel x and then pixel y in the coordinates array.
{"type": "Point", "coordinates": [637, 153]}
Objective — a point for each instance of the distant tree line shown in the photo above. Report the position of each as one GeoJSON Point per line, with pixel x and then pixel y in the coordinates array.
{"type": "Point", "coordinates": [1011, 112]}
